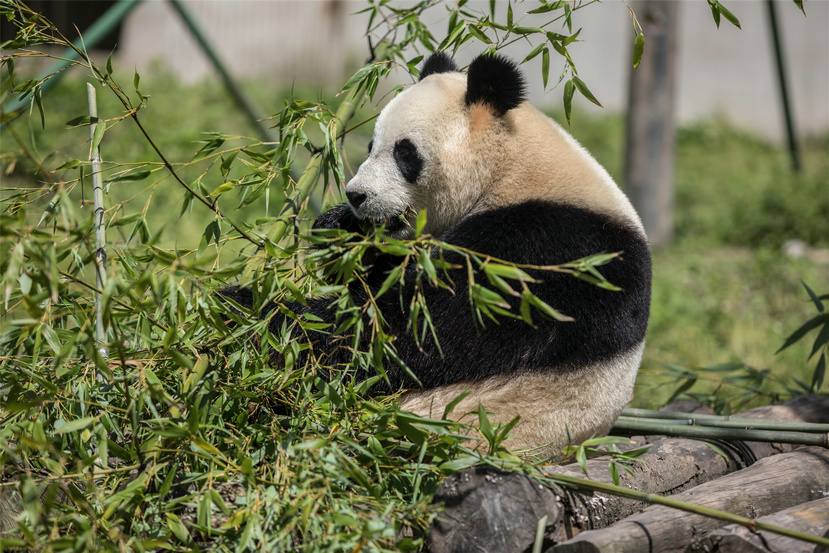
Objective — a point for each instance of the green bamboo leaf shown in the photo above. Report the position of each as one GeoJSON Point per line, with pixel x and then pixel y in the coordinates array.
{"type": "Point", "coordinates": [223, 188]}
{"type": "Point", "coordinates": [545, 65]}
{"type": "Point", "coordinates": [178, 528]}
{"type": "Point", "coordinates": [133, 175]}
{"type": "Point", "coordinates": [535, 52]}
{"type": "Point", "coordinates": [571, 39]}
{"type": "Point", "coordinates": [68, 165]}
{"type": "Point", "coordinates": [39, 102]}
{"type": "Point", "coordinates": [75, 425]}
{"type": "Point", "coordinates": [82, 120]}
{"type": "Point", "coordinates": [507, 271]}
{"type": "Point", "coordinates": [821, 341]}
{"type": "Point", "coordinates": [527, 30]}
{"type": "Point", "coordinates": [545, 8]}
{"type": "Point", "coordinates": [805, 329]}
{"type": "Point", "coordinates": [475, 31]}
{"type": "Point", "coordinates": [460, 463]}
{"type": "Point", "coordinates": [585, 91]}
{"type": "Point", "coordinates": [453, 36]}
{"type": "Point", "coordinates": [715, 11]}
{"type": "Point", "coordinates": [358, 77]}
{"type": "Point", "coordinates": [814, 297]}
{"type": "Point", "coordinates": [484, 425]}
{"type": "Point", "coordinates": [729, 16]}
{"type": "Point", "coordinates": [450, 407]}
{"type": "Point", "coordinates": [97, 136]}
{"type": "Point", "coordinates": [569, 90]}
{"type": "Point", "coordinates": [638, 49]}
{"type": "Point", "coordinates": [420, 223]}
{"type": "Point", "coordinates": [391, 279]}
{"type": "Point", "coordinates": [614, 473]}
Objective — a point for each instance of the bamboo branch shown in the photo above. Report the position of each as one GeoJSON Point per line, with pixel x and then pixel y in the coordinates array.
{"type": "Point", "coordinates": [638, 426]}
{"type": "Point", "coordinates": [724, 421]}
{"type": "Point", "coordinates": [100, 255]}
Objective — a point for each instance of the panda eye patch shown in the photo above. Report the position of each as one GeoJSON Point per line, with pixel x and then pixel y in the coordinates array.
{"type": "Point", "coordinates": [408, 160]}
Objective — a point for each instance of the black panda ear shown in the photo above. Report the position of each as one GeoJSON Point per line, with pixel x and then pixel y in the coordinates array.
{"type": "Point", "coordinates": [494, 81]}
{"type": "Point", "coordinates": [437, 63]}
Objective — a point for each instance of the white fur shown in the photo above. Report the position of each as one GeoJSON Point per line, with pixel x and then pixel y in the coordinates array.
{"type": "Point", "coordinates": [556, 408]}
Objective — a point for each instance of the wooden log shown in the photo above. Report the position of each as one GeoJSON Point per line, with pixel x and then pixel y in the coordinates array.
{"type": "Point", "coordinates": [674, 465]}
{"type": "Point", "coordinates": [671, 466]}
{"type": "Point", "coordinates": [488, 510]}
{"type": "Point", "coordinates": [810, 518]}
{"type": "Point", "coordinates": [768, 486]}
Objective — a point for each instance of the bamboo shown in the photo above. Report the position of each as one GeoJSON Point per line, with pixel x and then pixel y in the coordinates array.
{"type": "Point", "coordinates": [635, 426]}
{"type": "Point", "coordinates": [100, 231]}
{"type": "Point", "coordinates": [311, 174]}
{"type": "Point", "coordinates": [726, 421]}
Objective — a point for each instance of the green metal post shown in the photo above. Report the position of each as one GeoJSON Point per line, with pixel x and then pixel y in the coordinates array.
{"type": "Point", "coordinates": [91, 37]}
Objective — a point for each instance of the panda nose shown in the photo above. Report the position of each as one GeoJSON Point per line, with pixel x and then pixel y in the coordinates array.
{"type": "Point", "coordinates": [356, 199]}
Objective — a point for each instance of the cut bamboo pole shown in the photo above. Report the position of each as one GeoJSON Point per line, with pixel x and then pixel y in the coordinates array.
{"type": "Point", "coordinates": [687, 429]}
{"type": "Point", "coordinates": [724, 421]}
{"type": "Point", "coordinates": [100, 230]}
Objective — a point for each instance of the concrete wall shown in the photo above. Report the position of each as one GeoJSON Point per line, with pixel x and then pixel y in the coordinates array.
{"type": "Point", "coordinates": [725, 71]}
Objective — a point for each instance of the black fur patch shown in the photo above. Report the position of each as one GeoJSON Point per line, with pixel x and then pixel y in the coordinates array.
{"type": "Point", "coordinates": [408, 160]}
{"type": "Point", "coordinates": [495, 81]}
{"type": "Point", "coordinates": [606, 324]}
{"type": "Point", "coordinates": [437, 63]}
{"type": "Point", "coordinates": [340, 217]}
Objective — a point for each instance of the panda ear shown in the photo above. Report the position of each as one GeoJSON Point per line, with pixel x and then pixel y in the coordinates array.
{"type": "Point", "coordinates": [437, 63]}
{"type": "Point", "coordinates": [494, 81]}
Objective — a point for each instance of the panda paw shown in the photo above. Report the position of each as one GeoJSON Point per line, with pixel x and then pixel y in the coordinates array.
{"type": "Point", "coordinates": [340, 217]}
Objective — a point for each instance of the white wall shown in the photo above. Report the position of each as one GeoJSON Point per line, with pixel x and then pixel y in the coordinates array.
{"type": "Point", "coordinates": [725, 71]}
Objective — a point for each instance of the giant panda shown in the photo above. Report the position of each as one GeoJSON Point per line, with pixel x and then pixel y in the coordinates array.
{"type": "Point", "coordinates": [498, 177]}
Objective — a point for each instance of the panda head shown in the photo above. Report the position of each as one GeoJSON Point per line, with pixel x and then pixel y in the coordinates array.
{"type": "Point", "coordinates": [436, 146]}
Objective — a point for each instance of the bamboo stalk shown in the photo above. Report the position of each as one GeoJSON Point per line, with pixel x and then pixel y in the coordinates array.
{"type": "Point", "coordinates": [100, 231]}
{"type": "Point", "coordinates": [673, 428]}
{"type": "Point", "coordinates": [726, 421]}
{"type": "Point", "coordinates": [311, 174]}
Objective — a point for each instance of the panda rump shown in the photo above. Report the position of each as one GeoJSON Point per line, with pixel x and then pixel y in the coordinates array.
{"type": "Point", "coordinates": [498, 177]}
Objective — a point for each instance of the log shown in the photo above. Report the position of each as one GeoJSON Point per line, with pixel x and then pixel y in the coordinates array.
{"type": "Point", "coordinates": [671, 466]}
{"type": "Point", "coordinates": [488, 510]}
{"type": "Point", "coordinates": [810, 518]}
{"type": "Point", "coordinates": [768, 486]}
